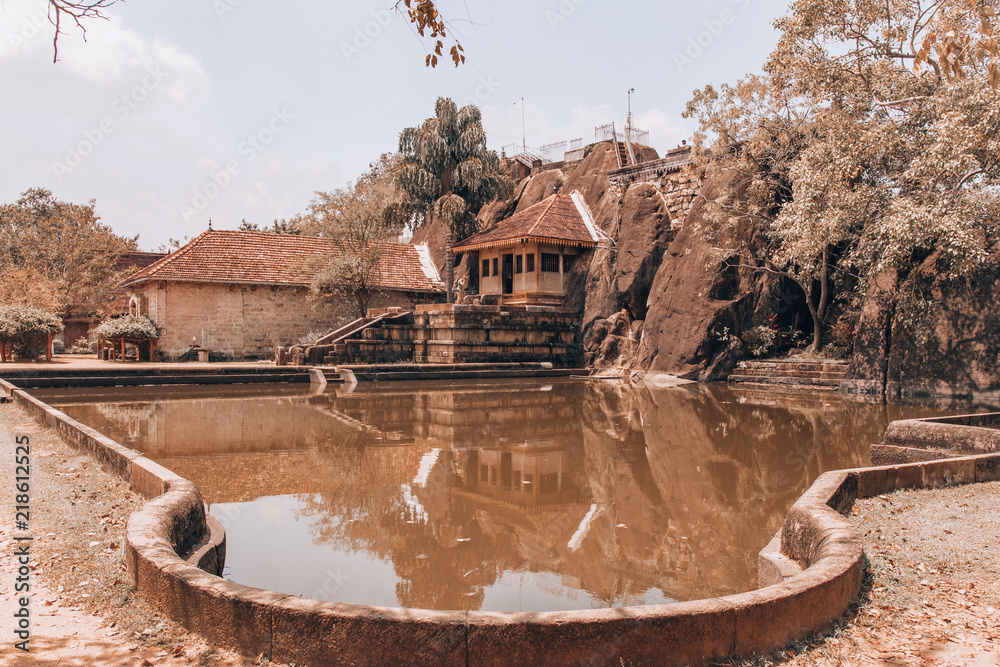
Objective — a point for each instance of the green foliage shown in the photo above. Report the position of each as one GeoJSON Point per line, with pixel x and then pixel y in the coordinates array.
{"type": "Point", "coordinates": [871, 141]}
{"type": "Point", "coordinates": [361, 219]}
{"type": "Point", "coordinates": [282, 226]}
{"type": "Point", "coordinates": [133, 328]}
{"type": "Point", "coordinates": [57, 256]}
{"type": "Point", "coordinates": [448, 173]}
{"type": "Point", "coordinates": [27, 329]}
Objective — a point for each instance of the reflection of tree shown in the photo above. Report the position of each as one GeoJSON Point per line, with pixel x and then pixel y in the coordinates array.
{"type": "Point", "coordinates": [686, 484]}
{"type": "Point", "coordinates": [129, 418]}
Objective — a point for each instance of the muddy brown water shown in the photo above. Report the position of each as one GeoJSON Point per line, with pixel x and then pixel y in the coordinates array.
{"type": "Point", "coordinates": [499, 495]}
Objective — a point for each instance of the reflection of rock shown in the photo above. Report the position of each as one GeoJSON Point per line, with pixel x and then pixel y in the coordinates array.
{"type": "Point", "coordinates": [622, 493]}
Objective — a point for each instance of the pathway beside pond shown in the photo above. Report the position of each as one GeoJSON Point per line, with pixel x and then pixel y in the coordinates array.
{"type": "Point", "coordinates": [82, 610]}
{"type": "Point", "coordinates": [934, 594]}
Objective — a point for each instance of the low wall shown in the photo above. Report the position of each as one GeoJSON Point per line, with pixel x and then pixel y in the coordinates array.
{"type": "Point", "coordinates": [911, 440]}
{"type": "Point", "coordinates": [811, 572]}
{"type": "Point", "coordinates": [187, 528]}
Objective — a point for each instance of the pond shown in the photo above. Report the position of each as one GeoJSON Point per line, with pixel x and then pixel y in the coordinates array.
{"type": "Point", "coordinates": [498, 495]}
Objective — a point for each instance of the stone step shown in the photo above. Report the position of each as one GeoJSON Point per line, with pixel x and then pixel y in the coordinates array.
{"type": "Point", "coordinates": [783, 365]}
{"type": "Point", "coordinates": [792, 372]}
{"type": "Point", "coordinates": [768, 387]}
{"type": "Point", "coordinates": [783, 380]}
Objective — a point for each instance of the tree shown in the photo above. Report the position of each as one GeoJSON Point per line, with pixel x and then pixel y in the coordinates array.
{"type": "Point", "coordinates": [57, 256]}
{"type": "Point", "coordinates": [360, 219]}
{"type": "Point", "coordinates": [277, 227]}
{"type": "Point", "coordinates": [448, 173]}
{"type": "Point", "coordinates": [423, 15]}
{"type": "Point", "coordinates": [869, 144]}
{"type": "Point", "coordinates": [26, 330]}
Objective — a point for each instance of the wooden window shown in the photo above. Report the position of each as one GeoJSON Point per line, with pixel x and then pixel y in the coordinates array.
{"type": "Point", "coordinates": [496, 266]}
{"type": "Point", "coordinates": [486, 268]}
{"type": "Point", "coordinates": [550, 263]}
{"type": "Point", "coordinates": [568, 262]}
{"type": "Point", "coordinates": [531, 263]}
{"type": "Point", "coordinates": [519, 264]}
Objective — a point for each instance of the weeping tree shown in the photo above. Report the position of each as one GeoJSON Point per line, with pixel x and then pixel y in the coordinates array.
{"type": "Point", "coordinates": [449, 174]}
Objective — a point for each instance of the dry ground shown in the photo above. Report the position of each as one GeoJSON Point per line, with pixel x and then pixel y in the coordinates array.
{"type": "Point", "coordinates": [932, 594]}
{"type": "Point", "coordinates": [83, 610]}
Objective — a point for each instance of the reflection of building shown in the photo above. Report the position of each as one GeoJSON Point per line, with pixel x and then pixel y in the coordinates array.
{"type": "Point", "coordinates": [520, 477]}
{"type": "Point", "coordinates": [527, 256]}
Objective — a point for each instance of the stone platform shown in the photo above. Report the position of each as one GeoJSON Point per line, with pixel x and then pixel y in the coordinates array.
{"type": "Point", "coordinates": [454, 334]}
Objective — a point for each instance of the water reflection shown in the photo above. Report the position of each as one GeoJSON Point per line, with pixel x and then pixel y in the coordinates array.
{"type": "Point", "coordinates": [499, 495]}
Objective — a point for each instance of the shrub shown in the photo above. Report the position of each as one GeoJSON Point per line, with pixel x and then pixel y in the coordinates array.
{"type": "Point", "coordinates": [133, 328]}
{"type": "Point", "coordinates": [760, 340]}
{"type": "Point", "coordinates": [26, 329]}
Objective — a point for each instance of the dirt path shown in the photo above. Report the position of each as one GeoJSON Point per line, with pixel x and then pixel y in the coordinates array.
{"type": "Point", "coordinates": [82, 610]}
{"type": "Point", "coordinates": [933, 592]}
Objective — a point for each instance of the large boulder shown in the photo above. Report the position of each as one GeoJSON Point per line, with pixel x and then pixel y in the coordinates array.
{"type": "Point", "coordinates": [645, 233]}
{"type": "Point", "coordinates": [539, 187]}
{"type": "Point", "coordinates": [872, 338]}
{"type": "Point", "coordinates": [618, 281]}
{"type": "Point", "coordinates": [950, 346]}
{"type": "Point", "coordinates": [698, 298]}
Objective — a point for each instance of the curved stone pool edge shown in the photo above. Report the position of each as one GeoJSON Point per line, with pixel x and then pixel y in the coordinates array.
{"type": "Point", "coordinates": [809, 575]}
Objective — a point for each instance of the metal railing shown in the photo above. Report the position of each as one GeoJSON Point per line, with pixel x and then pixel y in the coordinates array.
{"type": "Point", "coordinates": [524, 154]}
{"type": "Point", "coordinates": [556, 152]}
{"type": "Point", "coordinates": [630, 134]}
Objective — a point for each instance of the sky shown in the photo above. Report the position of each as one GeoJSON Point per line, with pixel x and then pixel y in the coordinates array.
{"type": "Point", "coordinates": [172, 114]}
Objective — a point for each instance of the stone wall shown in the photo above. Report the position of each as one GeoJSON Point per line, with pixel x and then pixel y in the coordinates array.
{"type": "Point", "coordinates": [494, 334]}
{"type": "Point", "coordinates": [242, 321]}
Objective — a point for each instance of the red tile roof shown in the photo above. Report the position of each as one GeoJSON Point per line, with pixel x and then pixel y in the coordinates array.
{"type": "Point", "coordinates": [558, 220]}
{"type": "Point", "coordinates": [255, 258]}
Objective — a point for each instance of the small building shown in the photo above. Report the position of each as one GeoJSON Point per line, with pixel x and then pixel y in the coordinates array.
{"type": "Point", "coordinates": [241, 294]}
{"type": "Point", "coordinates": [526, 257]}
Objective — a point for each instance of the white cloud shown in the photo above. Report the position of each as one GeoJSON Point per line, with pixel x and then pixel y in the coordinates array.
{"type": "Point", "coordinates": [113, 58]}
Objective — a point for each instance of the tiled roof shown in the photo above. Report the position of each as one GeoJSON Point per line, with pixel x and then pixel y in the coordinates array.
{"type": "Point", "coordinates": [558, 220]}
{"type": "Point", "coordinates": [137, 259]}
{"type": "Point", "coordinates": [255, 258]}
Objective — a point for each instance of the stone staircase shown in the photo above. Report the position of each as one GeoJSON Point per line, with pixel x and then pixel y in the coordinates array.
{"type": "Point", "coordinates": [382, 344]}
{"type": "Point", "coordinates": [788, 374]}
{"type": "Point", "coordinates": [623, 158]}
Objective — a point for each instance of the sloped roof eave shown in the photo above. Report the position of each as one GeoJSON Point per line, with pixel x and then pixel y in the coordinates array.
{"type": "Point", "coordinates": [155, 279]}
{"type": "Point", "coordinates": [507, 243]}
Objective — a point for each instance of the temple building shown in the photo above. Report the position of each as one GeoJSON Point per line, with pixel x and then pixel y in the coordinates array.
{"type": "Point", "coordinates": [526, 257]}
{"type": "Point", "coordinates": [241, 294]}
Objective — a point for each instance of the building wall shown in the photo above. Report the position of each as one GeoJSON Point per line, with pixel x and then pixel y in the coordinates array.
{"type": "Point", "coordinates": [241, 321]}
{"type": "Point", "coordinates": [537, 281]}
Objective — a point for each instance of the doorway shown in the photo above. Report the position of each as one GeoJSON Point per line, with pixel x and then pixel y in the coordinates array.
{"type": "Point", "coordinates": [508, 274]}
